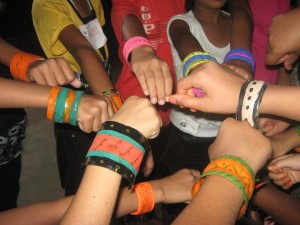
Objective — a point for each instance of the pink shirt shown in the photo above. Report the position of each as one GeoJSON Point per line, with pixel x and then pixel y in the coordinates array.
{"type": "Point", "coordinates": [263, 12]}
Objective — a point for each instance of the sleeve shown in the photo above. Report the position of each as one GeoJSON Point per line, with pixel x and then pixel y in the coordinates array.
{"type": "Point", "coordinates": [177, 17]}
{"type": "Point", "coordinates": [121, 8]}
{"type": "Point", "coordinates": [49, 20]}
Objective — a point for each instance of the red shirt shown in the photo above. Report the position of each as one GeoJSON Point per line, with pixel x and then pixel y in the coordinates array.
{"type": "Point", "coordinates": [154, 15]}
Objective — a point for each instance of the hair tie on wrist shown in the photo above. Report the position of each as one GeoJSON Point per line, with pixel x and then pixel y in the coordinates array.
{"type": "Point", "coordinates": [19, 65]}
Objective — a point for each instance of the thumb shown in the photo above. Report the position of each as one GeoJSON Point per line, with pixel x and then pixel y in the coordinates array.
{"type": "Point", "coordinates": [76, 83]}
{"type": "Point", "coordinates": [186, 101]}
{"type": "Point", "coordinates": [287, 161]}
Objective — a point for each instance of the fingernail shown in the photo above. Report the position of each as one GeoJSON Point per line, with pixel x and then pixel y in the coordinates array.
{"type": "Point", "coordinates": [161, 102]}
{"type": "Point", "coordinates": [146, 92]}
{"type": "Point", "coordinates": [154, 100]}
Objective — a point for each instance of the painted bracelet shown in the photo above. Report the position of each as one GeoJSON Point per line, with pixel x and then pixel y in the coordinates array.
{"type": "Point", "coordinates": [251, 102]}
{"type": "Point", "coordinates": [63, 105]}
{"type": "Point", "coordinates": [119, 148]}
{"type": "Point", "coordinates": [133, 43]}
{"type": "Point", "coordinates": [235, 170]}
{"type": "Point", "coordinates": [19, 65]}
{"type": "Point", "coordinates": [145, 196]}
{"type": "Point", "coordinates": [116, 100]}
{"type": "Point", "coordinates": [241, 54]}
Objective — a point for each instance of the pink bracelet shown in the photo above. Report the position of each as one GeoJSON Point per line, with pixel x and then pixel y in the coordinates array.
{"type": "Point", "coordinates": [133, 43]}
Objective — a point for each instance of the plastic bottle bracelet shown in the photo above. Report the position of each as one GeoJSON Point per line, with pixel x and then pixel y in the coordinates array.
{"type": "Point", "coordinates": [63, 105]}
{"type": "Point", "coordinates": [19, 65]}
{"type": "Point", "coordinates": [235, 170]}
{"type": "Point", "coordinates": [116, 100]}
{"type": "Point", "coordinates": [241, 54]}
{"type": "Point", "coordinates": [250, 97]}
{"type": "Point", "coordinates": [133, 43]}
{"type": "Point", "coordinates": [119, 148]}
{"type": "Point", "coordinates": [145, 198]}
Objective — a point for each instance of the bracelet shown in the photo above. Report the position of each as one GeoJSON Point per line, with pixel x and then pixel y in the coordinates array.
{"type": "Point", "coordinates": [145, 198]}
{"type": "Point", "coordinates": [194, 59]}
{"type": "Point", "coordinates": [63, 105]}
{"type": "Point", "coordinates": [250, 97]}
{"type": "Point", "coordinates": [133, 43]}
{"type": "Point", "coordinates": [116, 100]}
{"type": "Point", "coordinates": [235, 170]}
{"type": "Point", "coordinates": [19, 65]}
{"type": "Point", "coordinates": [241, 54]}
{"type": "Point", "coordinates": [119, 148]}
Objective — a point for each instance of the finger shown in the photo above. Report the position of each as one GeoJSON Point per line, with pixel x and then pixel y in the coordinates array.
{"type": "Point", "coordinates": [160, 87]}
{"type": "Point", "coordinates": [168, 83]}
{"type": "Point", "coordinates": [187, 101]}
{"type": "Point", "coordinates": [150, 80]}
{"type": "Point", "coordinates": [142, 81]}
{"type": "Point", "coordinates": [40, 79]}
{"type": "Point", "coordinates": [274, 58]}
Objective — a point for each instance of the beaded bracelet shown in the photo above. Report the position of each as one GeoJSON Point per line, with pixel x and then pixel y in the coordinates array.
{"type": "Point", "coordinates": [19, 65]}
{"type": "Point", "coordinates": [145, 198]}
{"type": "Point", "coordinates": [249, 101]}
{"type": "Point", "coordinates": [116, 100]}
{"type": "Point", "coordinates": [119, 148]}
{"type": "Point", "coordinates": [241, 54]}
{"type": "Point", "coordinates": [133, 43]}
{"type": "Point", "coordinates": [235, 170]}
{"type": "Point", "coordinates": [63, 105]}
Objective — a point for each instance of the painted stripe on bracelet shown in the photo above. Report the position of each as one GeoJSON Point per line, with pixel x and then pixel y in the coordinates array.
{"type": "Point", "coordinates": [124, 137]}
{"type": "Point", "coordinates": [114, 158]}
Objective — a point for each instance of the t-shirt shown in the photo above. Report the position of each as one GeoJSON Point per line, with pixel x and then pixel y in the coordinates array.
{"type": "Point", "coordinates": [197, 124]}
{"type": "Point", "coordinates": [50, 17]}
{"type": "Point", "coordinates": [154, 15]}
{"type": "Point", "coordinates": [263, 12]}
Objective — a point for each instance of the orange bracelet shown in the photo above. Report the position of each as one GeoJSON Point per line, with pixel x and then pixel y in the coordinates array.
{"type": "Point", "coordinates": [145, 198]}
{"type": "Point", "coordinates": [68, 105]}
{"type": "Point", "coordinates": [19, 65]}
{"type": "Point", "coordinates": [116, 102]}
{"type": "Point", "coordinates": [52, 101]}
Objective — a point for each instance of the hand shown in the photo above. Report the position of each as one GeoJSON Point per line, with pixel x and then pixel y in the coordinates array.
{"type": "Point", "coordinates": [92, 112]}
{"type": "Point", "coordinates": [285, 170]}
{"type": "Point", "coordinates": [153, 74]}
{"type": "Point", "coordinates": [149, 164]}
{"type": "Point", "coordinates": [283, 39]}
{"type": "Point", "coordinates": [237, 138]}
{"type": "Point", "coordinates": [52, 72]}
{"type": "Point", "coordinates": [273, 126]}
{"type": "Point", "coordinates": [221, 87]}
{"type": "Point", "coordinates": [241, 67]}
{"type": "Point", "coordinates": [175, 188]}
{"type": "Point", "coordinates": [140, 114]}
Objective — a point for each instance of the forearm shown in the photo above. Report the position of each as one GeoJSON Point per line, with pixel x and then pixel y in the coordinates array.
{"type": "Point", "coordinates": [132, 27]}
{"type": "Point", "coordinates": [46, 213]}
{"type": "Point", "coordinates": [284, 208]}
{"type": "Point", "coordinates": [218, 202]}
{"type": "Point", "coordinates": [21, 95]}
{"type": "Point", "coordinates": [242, 24]}
{"type": "Point", "coordinates": [281, 101]}
{"type": "Point", "coordinates": [95, 199]}
{"type": "Point", "coordinates": [93, 70]}
{"type": "Point", "coordinates": [7, 52]}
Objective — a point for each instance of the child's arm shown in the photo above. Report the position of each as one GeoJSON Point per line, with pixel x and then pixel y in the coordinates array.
{"type": "Point", "coordinates": [89, 60]}
{"type": "Point", "coordinates": [153, 74]}
{"type": "Point", "coordinates": [47, 72]}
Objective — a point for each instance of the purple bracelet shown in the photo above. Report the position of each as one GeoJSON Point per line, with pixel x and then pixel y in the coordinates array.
{"type": "Point", "coordinates": [241, 54]}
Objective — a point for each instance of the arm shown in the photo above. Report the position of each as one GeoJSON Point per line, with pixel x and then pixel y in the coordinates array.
{"type": "Point", "coordinates": [47, 72]}
{"type": "Point", "coordinates": [153, 74]}
{"type": "Point", "coordinates": [211, 204]}
{"type": "Point", "coordinates": [88, 59]}
{"type": "Point", "coordinates": [240, 34]}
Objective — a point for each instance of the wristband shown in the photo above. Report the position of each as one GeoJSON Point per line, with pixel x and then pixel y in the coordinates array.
{"type": "Point", "coordinates": [145, 198]}
{"type": "Point", "coordinates": [19, 65]}
{"type": "Point", "coordinates": [236, 170]}
{"type": "Point", "coordinates": [116, 100]}
{"type": "Point", "coordinates": [52, 101]}
{"type": "Point", "coordinates": [118, 148]}
{"type": "Point", "coordinates": [133, 43]}
{"type": "Point", "coordinates": [241, 54]}
{"type": "Point", "coordinates": [74, 108]}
